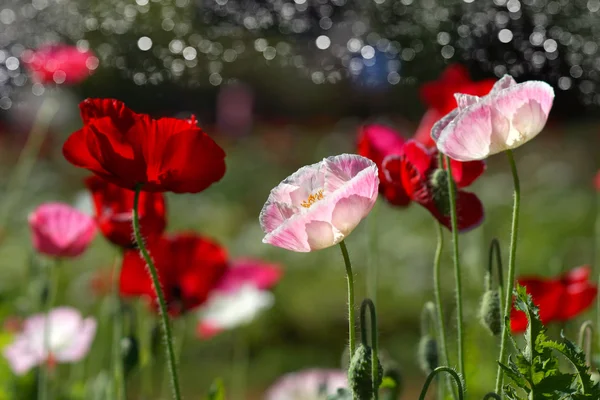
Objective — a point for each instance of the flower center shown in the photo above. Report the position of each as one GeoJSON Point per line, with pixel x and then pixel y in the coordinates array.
{"type": "Point", "coordinates": [313, 198]}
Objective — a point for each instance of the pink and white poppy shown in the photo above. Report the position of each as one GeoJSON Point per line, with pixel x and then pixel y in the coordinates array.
{"type": "Point", "coordinates": [68, 340]}
{"type": "Point", "coordinates": [59, 63]}
{"type": "Point", "coordinates": [509, 116]}
{"type": "Point", "coordinates": [250, 271]}
{"type": "Point", "coordinates": [320, 204]}
{"type": "Point", "coordinates": [310, 384]}
{"type": "Point", "coordinates": [59, 230]}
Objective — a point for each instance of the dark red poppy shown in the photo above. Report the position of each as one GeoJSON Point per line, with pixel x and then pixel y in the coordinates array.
{"type": "Point", "coordinates": [130, 149]}
{"type": "Point", "coordinates": [113, 206]}
{"type": "Point", "coordinates": [559, 299]}
{"type": "Point", "coordinates": [189, 267]}
{"type": "Point", "coordinates": [59, 63]}
{"type": "Point", "coordinates": [438, 96]}
{"type": "Point", "coordinates": [425, 183]}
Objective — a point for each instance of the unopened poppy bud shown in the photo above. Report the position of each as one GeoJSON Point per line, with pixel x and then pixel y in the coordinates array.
{"type": "Point", "coordinates": [441, 194]}
{"type": "Point", "coordinates": [428, 354]}
{"type": "Point", "coordinates": [359, 373]}
{"type": "Point", "coordinates": [490, 314]}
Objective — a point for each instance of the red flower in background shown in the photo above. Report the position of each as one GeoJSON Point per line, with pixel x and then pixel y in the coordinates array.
{"type": "Point", "coordinates": [417, 170]}
{"type": "Point", "coordinates": [113, 207]}
{"type": "Point", "coordinates": [597, 181]}
{"type": "Point", "coordinates": [189, 267]}
{"type": "Point", "coordinates": [130, 149]}
{"type": "Point", "coordinates": [59, 63]}
{"type": "Point", "coordinates": [438, 96]}
{"type": "Point", "coordinates": [559, 299]}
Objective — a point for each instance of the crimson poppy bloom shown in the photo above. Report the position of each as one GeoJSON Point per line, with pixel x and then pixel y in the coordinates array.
{"type": "Point", "coordinates": [189, 267]}
{"type": "Point", "coordinates": [59, 63]}
{"type": "Point", "coordinates": [438, 96]}
{"type": "Point", "coordinates": [131, 150]}
{"type": "Point", "coordinates": [559, 299]}
{"type": "Point", "coordinates": [113, 207]}
{"type": "Point", "coordinates": [425, 183]}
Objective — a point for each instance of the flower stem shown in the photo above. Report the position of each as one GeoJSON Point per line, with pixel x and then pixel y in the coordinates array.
{"type": "Point", "coordinates": [350, 277]}
{"type": "Point", "coordinates": [441, 330]}
{"type": "Point", "coordinates": [368, 304]}
{"type": "Point", "coordinates": [162, 306]}
{"type": "Point", "coordinates": [373, 254]}
{"type": "Point", "coordinates": [511, 266]}
{"type": "Point", "coordinates": [48, 297]}
{"type": "Point", "coordinates": [120, 389]}
{"type": "Point", "coordinates": [460, 384]}
{"type": "Point", "coordinates": [457, 273]}
{"type": "Point", "coordinates": [26, 161]}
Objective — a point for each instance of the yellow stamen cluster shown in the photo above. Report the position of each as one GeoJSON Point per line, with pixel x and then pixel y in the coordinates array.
{"type": "Point", "coordinates": [313, 198]}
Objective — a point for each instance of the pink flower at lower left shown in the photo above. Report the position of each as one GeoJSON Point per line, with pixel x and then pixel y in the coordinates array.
{"type": "Point", "coordinates": [61, 336]}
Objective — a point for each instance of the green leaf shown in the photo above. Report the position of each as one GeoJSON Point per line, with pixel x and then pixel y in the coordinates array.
{"type": "Point", "coordinates": [216, 391]}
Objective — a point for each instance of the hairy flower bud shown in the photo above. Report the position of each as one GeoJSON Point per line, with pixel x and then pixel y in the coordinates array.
{"type": "Point", "coordinates": [441, 194]}
{"type": "Point", "coordinates": [490, 313]}
{"type": "Point", "coordinates": [359, 373]}
{"type": "Point", "coordinates": [427, 354]}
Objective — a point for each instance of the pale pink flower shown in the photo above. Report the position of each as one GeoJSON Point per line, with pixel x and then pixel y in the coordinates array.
{"type": "Point", "coordinates": [59, 63]}
{"type": "Point", "coordinates": [68, 340]}
{"type": "Point", "coordinates": [250, 271]}
{"type": "Point", "coordinates": [310, 384]}
{"type": "Point", "coordinates": [320, 204]}
{"type": "Point", "coordinates": [509, 116]}
{"type": "Point", "coordinates": [60, 230]}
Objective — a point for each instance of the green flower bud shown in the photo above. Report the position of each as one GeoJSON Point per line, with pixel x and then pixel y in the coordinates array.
{"type": "Point", "coordinates": [427, 354]}
{"type": "Point", "coordinates": [441, 194]}
{"type": "Point", "coordinates": [359, 373]}
{"type": "Point", "coordinates": [490, 313]}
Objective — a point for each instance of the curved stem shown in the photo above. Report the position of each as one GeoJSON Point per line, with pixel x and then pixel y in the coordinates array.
{"type": "Point", "coordinates": [350, 277]}
{"type": "Point", "coordinates": [495, 250]}
{"type": "Point", "coordinates": [437, 293]}
{"type": "Point", "coordinates": [457, 273]}
{"type": "Point", "coordinates": [117, 324]}
{"type": "Point", "coordinates": [164, 316]}
{"type": "Point", "coordinates": [457, 380]}
{"type": "Point", "coordinates": [51, 288]}
{"type": "Point", "coordinates": [368, 304]}
{"type": "Point", "coordinates": [492, 395]}
{"type": "Point", "coordinates": [586, 333]}
{"type": "Point", "coordinates": [511, 266]}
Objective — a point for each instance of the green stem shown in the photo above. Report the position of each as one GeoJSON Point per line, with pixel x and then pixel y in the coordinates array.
{"type": "Point", "coordinates": [368, 304]}
{"type": "Point", "coordinates": [143, 329]}
{"type": "Point", "coordinates": [437, 292]}
{"type": "Point", "coordinates": [511, 266]}
{"type": "Point", "coordinates": [162, 305]}
{"type": "Point", "coordinates": [457, 273]}
{"type": "Point", "coordinates": [26, 161]}
{"type": "Point", "coordinates": [51, 287]}
{"type": "Point", "coordinates": [586, 334]}
{"type": "Point", "coordinates": [373, 270]}
{"type": "Point", "coordinates": [495, 249]}
{"type": "Point", "coordinates": [457, 380]}
{"type": "Point", "coordinates": [350, 277]}
{"type": "Point", "coordinates": [120, 388]}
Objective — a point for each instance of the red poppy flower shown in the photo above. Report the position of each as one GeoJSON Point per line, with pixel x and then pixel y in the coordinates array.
{"type": "Point", "coordinates": [130, 149]}
{"type": "Point", "coordinates": [59, 64]}
{"type": "Point", "coordinates": [113, 206]}
{"type": "Point", "coordinates": [559, 299]}
{"type": "Point", "coordinates": [419, 173]}
{"type": "Point", "coordinates": [189, 268]}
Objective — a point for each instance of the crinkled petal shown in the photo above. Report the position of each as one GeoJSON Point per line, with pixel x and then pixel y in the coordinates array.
{"type": "Point", "coordinates": [465, 100]}
{"type": "Point", "coordinates": [20, 357]}
{"type": "Point", "coordinates": [465, 173]}
{"type": "Point", "coordinates": [79, 344]}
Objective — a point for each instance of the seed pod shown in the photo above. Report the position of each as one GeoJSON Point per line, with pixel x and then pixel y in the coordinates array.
{"type": "Point", "coordinates": [359, 373]}
{"type": "Point", "coordinates": [427, 354]}
{"type": "Point", "coordinates": [490, 314]}
{"type": "Point", "coordinates": [441, 194]}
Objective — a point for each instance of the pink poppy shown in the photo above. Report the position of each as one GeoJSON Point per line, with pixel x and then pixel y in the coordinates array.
{"type": "Point", "coordinates": [310, 384]}
{"type": "Point", "coordinates": [511, 115]}
{"type": "Point", "coordinates": [247, 270]}
{"type": "Point", "coordinates": [60, 230]}
{"type": "Point", "coordinates": [68, 340]}
{"type": "Point", "coordinates": [320, 204]}
{"type": "Point", "coordinates": [59, 63]}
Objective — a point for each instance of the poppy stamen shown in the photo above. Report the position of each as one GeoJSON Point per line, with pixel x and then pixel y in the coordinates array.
{"type": "Point", "coordinates": [313, 198]}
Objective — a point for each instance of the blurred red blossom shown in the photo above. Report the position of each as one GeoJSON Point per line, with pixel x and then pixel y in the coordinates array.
{"type": "Point", "coordinates": [559, 299]}
{"type": "Point", "coordinates": [189, 267]}
{"type": "Point", "coordinates": [59, 63]}
{"type": "Point", "coordinates": [597, 181]}
{"type": "Point", "coordinates": [130, 149]}
{"type": "Point", "coordinates": [113, 212]}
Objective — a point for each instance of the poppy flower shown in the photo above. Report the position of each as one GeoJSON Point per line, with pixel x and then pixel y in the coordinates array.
{"type": "Point", "coordinates": [113, 211]}
{"type": "Point", "coordinates": [189, 267]}
{"type": "Point", "coordinates": [68, 339]}
{"type": "Point", "coordinates": [559, 299]}
{"type": "Point", "coordinates": [310, 384]}
{"type": "Point", "coordinates": [239, 297]}
{"type": "Point", "coordinates": [59, 230]}
{"type": "Point", "coordinates": [511, 115]}
{"type": "Point", "coordinates": [131, 150]}
{"type": "Point", "coordinates": [320, 204]}
{"type": "Point", "coordinates": [426, 183]}
{"type": "Point", "coordinates": [59, 63]}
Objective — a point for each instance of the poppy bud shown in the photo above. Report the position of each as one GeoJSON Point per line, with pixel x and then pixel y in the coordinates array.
{"type": "Point", "coordinates": [427, 354]}
{"type": "Point", "coordinates": [441, 194]}
{"type": "Point", "coordinates": [359, 373]}
{"type": "Point", "coordinates": [490, 313]}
